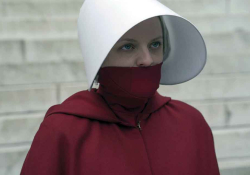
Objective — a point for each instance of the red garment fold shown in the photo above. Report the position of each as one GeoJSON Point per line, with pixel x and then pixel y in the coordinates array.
{"type": "Point", "coordinates": [84, 136]}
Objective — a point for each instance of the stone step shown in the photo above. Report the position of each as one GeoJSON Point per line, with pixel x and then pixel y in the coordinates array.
{"type": "Point", "coordinates": [219, 24]}
{"type": "Point", "coordinates": [19, 128]}
{"type": "Point", "coordinates": [12, 159]}
{"type": "Point", "coordinates": [210, 88]}
{"type": "Point", "coordinates": [14, 27]}
{"type": "Point", "coordinates": [228, 113]}
{"type": "Point", "coordinates": [55, 48]}
{"type": "Point", "coordinates": [27, 98]}
{"type": "Point", "coordinates": [26, 8]}
{"type": "Point", "coordinates": [197, 8]}
{"type": "Point", "coordinates": [42, 73]}
{"type": "Point", "coordinates": [218, 113]}
{"type": "Point", "coordinates": [239, 7]}
{"type": "Point", "coordinates": [23, 9]}
{"type": "Point", "coordinates": [71, 8]}
{"type": "Point", "coordinates": [232, 142]}
{"type": "Point", "coordinates": [37, 27]}
{"type": "Point", "coordinates": [68, 89]}
{"type": "Point", "coordinates": [200, 88]}
{"type": "Point", "coordinates": [48, 1]}
{"type": "Point", "coordinates": [239, 166]}
{"type": "Point", "coordinates": [228, 44]}
{"type": "Point", "coordinates": [226, 64]}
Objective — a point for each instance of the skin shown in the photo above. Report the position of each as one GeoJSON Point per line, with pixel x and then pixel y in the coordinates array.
{"type": "Point", "coordinates": [142, 52]}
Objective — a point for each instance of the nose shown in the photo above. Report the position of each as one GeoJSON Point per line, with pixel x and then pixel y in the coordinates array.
{"type": "Point", "coordinates": [144, 58]}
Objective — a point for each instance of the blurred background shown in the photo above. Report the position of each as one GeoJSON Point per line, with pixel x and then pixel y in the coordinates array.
{"type": "Point", "coordinates": [41, 65]}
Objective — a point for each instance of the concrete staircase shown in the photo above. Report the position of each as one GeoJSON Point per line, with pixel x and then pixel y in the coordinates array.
{"type": "Point", "coordinates": [41, 65]}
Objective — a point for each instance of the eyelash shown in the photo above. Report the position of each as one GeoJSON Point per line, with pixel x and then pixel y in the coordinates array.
{"type": "Point", "coordinates": [159, 43]}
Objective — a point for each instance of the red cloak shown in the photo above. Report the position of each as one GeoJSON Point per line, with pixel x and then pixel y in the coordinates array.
{"type": "Point", "coordinates": [83, 136]}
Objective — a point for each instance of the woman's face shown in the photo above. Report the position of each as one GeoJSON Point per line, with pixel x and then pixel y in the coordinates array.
{"type": "Point", "coordinates": [141, 46]}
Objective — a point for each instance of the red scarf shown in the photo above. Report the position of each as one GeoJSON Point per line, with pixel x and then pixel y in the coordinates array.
{"type": "Point", "coordinates": [128, 89]}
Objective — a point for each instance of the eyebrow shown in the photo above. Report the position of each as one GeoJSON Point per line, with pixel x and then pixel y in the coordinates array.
{"type": "Point", "coordinates": [132, 40]}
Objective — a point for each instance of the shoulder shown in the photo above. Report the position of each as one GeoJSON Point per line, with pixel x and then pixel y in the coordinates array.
{"type": "Point", "coordinates": [76, 112]}
{"type": "Point", "coordinates": [66, 124]}
{"type": "Point", "coordinates": [182, 107]}
{"type": "Point", "coordinates": [185, 113]}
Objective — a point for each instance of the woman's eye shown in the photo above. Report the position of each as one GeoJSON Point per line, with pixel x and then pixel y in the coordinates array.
{"type": "Point", "coordinates": [155, 45]}
{"type": "Point", "coordinates": [127, 47]}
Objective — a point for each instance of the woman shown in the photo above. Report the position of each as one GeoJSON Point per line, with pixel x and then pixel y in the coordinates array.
{"type": "Point", "coordinates": [125, 126]}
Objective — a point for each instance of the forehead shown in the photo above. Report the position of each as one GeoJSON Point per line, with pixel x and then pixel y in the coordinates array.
{"type": "Point", "coordinates": [145, 30]}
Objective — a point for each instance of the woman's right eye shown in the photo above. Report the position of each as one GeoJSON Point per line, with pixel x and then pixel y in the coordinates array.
{"type": "Point", "coordinates": [127, 47]}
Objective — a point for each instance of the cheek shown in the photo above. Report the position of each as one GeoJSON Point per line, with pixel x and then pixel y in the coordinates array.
{"type": "Point", "coordinates": [158, 56]}
{"type": "Point", "coordinates": [125, 60]}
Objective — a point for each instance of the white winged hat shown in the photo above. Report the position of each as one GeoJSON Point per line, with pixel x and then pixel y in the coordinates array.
{"type": "Point", "coordinates": [101, 23]}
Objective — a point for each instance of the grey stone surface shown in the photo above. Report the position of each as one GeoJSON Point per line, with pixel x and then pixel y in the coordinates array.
{"type": "Point", "coordinates": [228, 64]}
{"type": "Point", "coordinates": [40, 9]}
{"type": "Point", "coordinates": [224, 113]}
{"type": "Point", "coordinates": [27, 98]}
{"type": "Point", "coordinates": [53, 50]}
{"type": "Point", "coordinates": [208, 88]}
{"type": "Point", "coordinates": [68, 89]}
{"type": "Point", "coordinates": [11, 159]}
{"type": "Point", "coordinates": [68, 25]}
{"type": "Point", "coordinates": [217, 24]}
{"type": "Point", "coordinates": [40, 27]}
{"type": "Point", "coordinates": [232, 142]}
{"type": "Point", "coordinates": [236, 166]}
{"type": "Point", "coordinates": [42, 73]}
{"type": "Point", "coordinates": [48, 1]}
{"type": "Point", "coordinates": [226, 44]}
{"type": "Point", "coordinates": [201, 7]}
{"type": "Point", "coordinates": [238, 113]}
{"type": "Point", "coordinates": [11, 52]}
{"type": "Point", "coordinates": [1, 9]}
{"type": "Point", "coordinates": [239, 7]}
{"type": "Point", "coordinates": [214, 113]}
{"type": "Point", "coordinates": [237, 170]}
{"type": "Point", "coordinates": [218, 113]}
{"type": "Point", "coordinates": [19, 128]}
{"type": "Point", "coordinates": [38, 44]}
{"type": "Point", "coordinates": [69, 8]}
